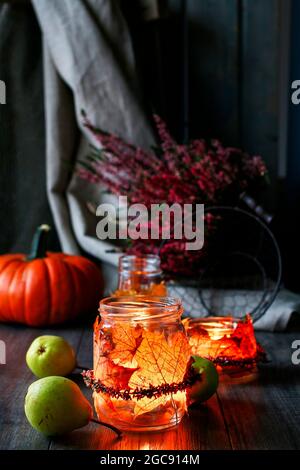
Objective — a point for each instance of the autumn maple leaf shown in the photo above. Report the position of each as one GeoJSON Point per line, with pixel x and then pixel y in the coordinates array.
{"type": "Point", "coordinates": [161, 360]}
{"type": "Point", "coordinates": [111, 374]}
{"type": "Point", "coordinates": [113, 353]}
{"type": "Point", "coordinates": [126, 340]}
{"type": "Point", "coordinates": [244, 336]}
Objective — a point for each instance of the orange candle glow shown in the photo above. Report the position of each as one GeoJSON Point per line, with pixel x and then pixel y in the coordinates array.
{"type": "Point", "coordinates": [227, 341]}
{"type": "Point", "coordinates": [141, 353]}
{"type": "Point", "coordinates": [140, 275]}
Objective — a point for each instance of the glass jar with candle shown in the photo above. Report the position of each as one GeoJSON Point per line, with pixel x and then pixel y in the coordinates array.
{"type": "Point", "coordinates": [140, 275]}
{"type": "Point", "coordinates": [229, 342]}
{"type": "Point", "coordinates": [141, 355]}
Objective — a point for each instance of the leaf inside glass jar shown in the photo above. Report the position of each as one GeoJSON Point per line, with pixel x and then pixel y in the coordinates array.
{"type": "Point", "coordinates": [126, 341]}
{"type": "Point", "coordinates": [160, 361]}
{"type": "Point", "coordinates": [133, 357]}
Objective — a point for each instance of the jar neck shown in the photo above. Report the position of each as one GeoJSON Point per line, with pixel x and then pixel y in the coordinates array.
{"type": "Point", "coordinates": [138, 273]}
{"type": "Point", "coordinates": [141, 308]}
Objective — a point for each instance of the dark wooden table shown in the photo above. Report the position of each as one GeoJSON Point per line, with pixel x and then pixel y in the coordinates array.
{"type": "Point", "coordinates": [261, 414]}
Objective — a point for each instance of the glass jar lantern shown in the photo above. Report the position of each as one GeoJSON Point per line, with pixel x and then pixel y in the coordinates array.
{"type": "Point", "coordinates": [141, 353]}
{"type": "Point", "coordinates": [140, 275]}
{"type": "Point", "coordinates": [229, 342]}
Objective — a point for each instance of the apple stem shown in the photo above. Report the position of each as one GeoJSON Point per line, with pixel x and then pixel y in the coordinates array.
{"type": "Point", "coordinates": [110, 426]}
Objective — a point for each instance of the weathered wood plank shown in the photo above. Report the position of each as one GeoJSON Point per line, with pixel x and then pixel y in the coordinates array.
{"type": "Point", "coordinates": [213, 68]}
{"type": "Point", "coordinates": [15, 377]}
{"type": "Point", "coordinates": [264, 413]}
{"type": "Point", "coordinates": [203, 429]}
{"type": "Point", "coordinates": [259, 83]}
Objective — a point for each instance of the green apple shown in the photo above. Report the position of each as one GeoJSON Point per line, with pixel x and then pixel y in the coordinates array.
{"type": "Point", "coordinates": [208, 381]}
{"type": "Point", "coordinates": [56, 405]}
{"type": "Point", "coordinates": [50, 355]}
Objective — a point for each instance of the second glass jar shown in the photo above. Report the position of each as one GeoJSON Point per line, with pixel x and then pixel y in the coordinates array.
{"type": "Point", "coordinates": [140, 275]}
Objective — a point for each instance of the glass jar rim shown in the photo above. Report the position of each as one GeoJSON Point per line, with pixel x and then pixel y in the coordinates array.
{"type": "Point", "coordinates": [215, 321]}
{"type": "Point", "coordinates": [140, 264]}
{"type": "Point", "coordinates": [140, 307]}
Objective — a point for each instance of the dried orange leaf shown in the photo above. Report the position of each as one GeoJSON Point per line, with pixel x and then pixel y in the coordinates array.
{"type": "Point", "coordinates": [146, 405]}
{"type": "Point", "coordinates": [111, 374]}
{"type": "Point", "coordinates": [126, 340]}
{"type": "Point", "coordinates": [160, 361]}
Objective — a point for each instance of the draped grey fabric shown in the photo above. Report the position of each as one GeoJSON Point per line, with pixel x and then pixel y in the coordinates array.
{"type": "Point", "coordinates": [88, 64]}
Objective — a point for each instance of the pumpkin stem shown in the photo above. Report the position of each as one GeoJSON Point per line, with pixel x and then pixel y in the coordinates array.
{"type": "Point", "coordinates": [39, 243]}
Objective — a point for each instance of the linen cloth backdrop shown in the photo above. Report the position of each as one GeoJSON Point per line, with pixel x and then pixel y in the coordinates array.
{"type": "Point", "coordinates": [88, 65]}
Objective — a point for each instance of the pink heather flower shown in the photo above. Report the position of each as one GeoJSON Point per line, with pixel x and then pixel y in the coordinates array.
{"type": "Point", "coordinates": [200, 172]}
{"type": "Point", "coordinates": [167, 141]}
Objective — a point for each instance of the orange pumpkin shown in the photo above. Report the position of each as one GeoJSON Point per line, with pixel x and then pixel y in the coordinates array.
{"type": "Point", "coordinates": [47, 288]}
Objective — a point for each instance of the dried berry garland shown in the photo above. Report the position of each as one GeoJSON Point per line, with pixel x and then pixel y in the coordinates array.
{"type": "Point", "coordinates": [247, 363]}
{"type": "Point", "coordinates": [138, 393]}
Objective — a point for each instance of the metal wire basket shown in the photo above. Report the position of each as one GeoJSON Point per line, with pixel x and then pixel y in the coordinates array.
{"type": "Point", "coordinates": [241, 270]}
